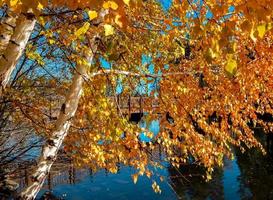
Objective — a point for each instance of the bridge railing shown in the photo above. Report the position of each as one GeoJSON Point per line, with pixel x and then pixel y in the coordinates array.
{"type": "Point", "coordinates": [135, 104]}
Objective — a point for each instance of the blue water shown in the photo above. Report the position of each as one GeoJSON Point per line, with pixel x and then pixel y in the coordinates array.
{"type": "Point", "coordinates": [113, 186]}
{"type": "Point", "coordinates": [227, 183]}
{"type": "Point", "coordinates": [230, 180]}
{"type": "Point", "coordinates": [153, 126]}
{"type": "Point", "coordinates": [106, 186]}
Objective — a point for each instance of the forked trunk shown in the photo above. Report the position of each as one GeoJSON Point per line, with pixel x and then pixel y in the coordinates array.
{"type": "Point", "coordinates": [50, 149]}
{"type": "Point", "coordinates": [52, 146]}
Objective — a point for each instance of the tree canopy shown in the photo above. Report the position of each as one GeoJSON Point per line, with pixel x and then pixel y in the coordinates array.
{"type": "Point", "coordinates": [208, 64]}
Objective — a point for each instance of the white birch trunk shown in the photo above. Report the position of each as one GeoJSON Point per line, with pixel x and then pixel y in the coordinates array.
{"type": "Point", "coordinates": [15, 47]}
{"type": "Point", "coordinates": [69, 108]}
{"type": "Point", "coordinates": [7, 26]}
{"type": "Point", "coordinates": [50, 149]}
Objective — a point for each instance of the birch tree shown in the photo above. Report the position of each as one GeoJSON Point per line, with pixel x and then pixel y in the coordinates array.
{"type": "Point", "coordinates": [27, 13]}
{"type": "Point", "coordinates": [54, 143]}
{"type": "Point", "coordinates": [15, 47]}
{"type": "Point", "coordinates": [7, 25]}
{"type": "Point", "coordinates": [214, 85]}
{"type": "Point", "coordinates": [67, 112]}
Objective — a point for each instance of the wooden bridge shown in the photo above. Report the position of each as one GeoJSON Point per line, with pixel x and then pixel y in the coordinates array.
{"type": "Point", "coordinates": [135, 104]}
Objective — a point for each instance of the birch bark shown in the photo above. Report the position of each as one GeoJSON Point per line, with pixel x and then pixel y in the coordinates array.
{"type": "Point", "coordinates": [69, 108]}
{"type": "Point", "coordinates": [7, 25]}
{"type": "Point", "coordinates": [53, 144]}
{"type": "Point", "coordinates": [15, 47]}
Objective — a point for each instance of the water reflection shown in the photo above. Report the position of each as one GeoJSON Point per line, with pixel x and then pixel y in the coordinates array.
{"type": "Point", "coordinates": [189, 184]}
{"type": "Point", "coordinates": [227, 183]}
{"type": "Point", "coordinates": [231, 176]}
{"type": "Point", "coordinates": [256, 175]}
{"type": "Point", "coordinates": [111, 186]}
{"type": "Point", "coordinates": [248, 176]}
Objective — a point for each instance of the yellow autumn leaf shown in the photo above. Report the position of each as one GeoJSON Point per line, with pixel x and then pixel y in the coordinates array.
{"type": "Point", "coordinates": [234, 47]}
{"type": "Point", "coordinates": [109, 29]}
{"type": "Point", "coordinates": [216, 47]}
{"type": "Point", "coordinates": [212, 54]}
{"type": "Point", "coordinates": [13, 2]}
{"type": "Point", "coordinates": [35, 56]}
{"type": "Point", "coordinates": [42, 21]}
{"type": "Point", "coordinates": [182, 51]}
{"type": "Point", "coordinates": [269, 26]}
{"type": "Point", "coordinates": [40, 6]}
{"type": "Point", "coordinates": [231, 65]}
{"type": "Point", "coordinates": [82, 30]}
{"type": "Point", "coordinates": [51, 41]}
{"type": "Point", "coordinates": [208, 177]}
{"type": "Point", "coordinates": [117, 20]}
{"type": "Point", "coordinates": [156, 187]}
{"type": "Point", "coordinates": [252, 34]}
{"type": "Point", "coordinates": [92, 14]}
{"type": "Point", "coordinates": [149, 134]}
{"type": "Point", "coordinates": [110, 4]}
{"type": "Point", "coordinates": [126, 2]}
{"type": "Point", "coordinates": [261, 30]}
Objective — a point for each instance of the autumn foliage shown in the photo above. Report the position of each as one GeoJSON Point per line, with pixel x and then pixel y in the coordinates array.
{"type": "Point", "coordinates": [211, 61]}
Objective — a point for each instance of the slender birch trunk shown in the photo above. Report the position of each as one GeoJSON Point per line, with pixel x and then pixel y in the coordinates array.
{"type": "Point", "coordinates": [50, 149]}
{"type": "Point", "coordinates": [68, 110]}
{"type": "Point", "coordinates": [7, 26]}
{"type": "Point", "coordinates": [15, 47]}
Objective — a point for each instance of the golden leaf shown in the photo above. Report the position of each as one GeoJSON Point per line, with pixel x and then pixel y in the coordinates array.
{"type": "Point", "coordinates": [126, 2]}
{"type": "Point", "coordinates": [109, 29]}
{"type": "Point", "coordinates": [110, 4]}
{"type": "Point", "coordinates": [252, 34]}
{"type": "Point", "coordinates": [42, 21]}
{"type": "Point", "coordinates": [269, 26]}
{"type": "Point", "coordinates": [51, 41]}
{"type": "Point", "coordinates": [82, 30]}
{"type": "Point", "coordinates": [148, 174]}
{"type": "Point", "coordinates": [13, 2]}
{"type": "Point", "coordinates": [117, 20]}
{"type": "Point", "coordinates": [92, 14]}
{"type": "Point", "coordinates": [183, 51]}
{"type": "Point", "coordinates": [231, 65]}
{"type": "Point", "coordinates": [261, 30]}
{"type": "Point", "coordinates": [40, 6]}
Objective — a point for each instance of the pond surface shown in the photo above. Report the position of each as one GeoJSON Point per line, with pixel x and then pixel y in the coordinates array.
{"type": "Point", "coordinates": [240, 179]}
{"type": "Point", "coordinates": [248, 176]}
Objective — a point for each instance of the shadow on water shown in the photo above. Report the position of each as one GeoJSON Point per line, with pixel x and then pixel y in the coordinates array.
{"type": "Point", "coordinates": [188, 183]}
{"type": "Point", "coordinates": [257, 170]}
{"type": "Point", "coordinates": [226, 184]}
{"type": "Point", "coordinates": [102, 185]}
{"type": "Point", "coordinates": [248, 176]}
{"type": "Point", "coordinates": [256, 175]}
